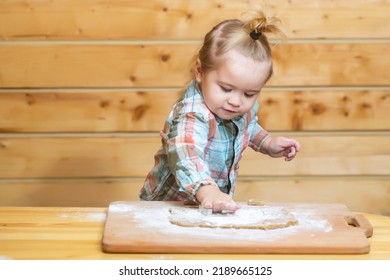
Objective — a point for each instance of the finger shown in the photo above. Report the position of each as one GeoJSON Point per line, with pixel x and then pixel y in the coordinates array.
{"type": "Point", "coordinates": [207, 204]}
{"type": "Point", "coordinates": [291, 143]}
{"type": "Point", "coordinates": [231, 206]}
{"type": "Point", "coordinates": [297, 146]}
{"type": "Point", "coordinates": [221, 206]}
{"type": "Point", "coordinates": [291, 154]}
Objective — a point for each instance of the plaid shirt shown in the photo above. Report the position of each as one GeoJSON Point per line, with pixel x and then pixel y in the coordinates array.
{"type": "Point", "coordinates": [199, 148]}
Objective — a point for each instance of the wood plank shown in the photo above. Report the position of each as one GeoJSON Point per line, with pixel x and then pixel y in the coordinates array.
{"type": "Point", "coordinates": [168, 65]}
{"type": "Point", "coordinates": [173, 20]}
{"type": "Point", "coordinates": [91, 193]}
{"type": "Point", "coordinates": [129, 155]}
{"type": "Point", "coordinates": [325, 109]}
{"type": "Point", "coordinates": [65, 233]}
{"type": "Point", "coordinates": [326, 154]}
{"type": "Point", "coordinates": [93, 111]}
{"type": "Point", "coordinates": [358, 193]}
{"type": "Point", "coordinates": [131, 111]}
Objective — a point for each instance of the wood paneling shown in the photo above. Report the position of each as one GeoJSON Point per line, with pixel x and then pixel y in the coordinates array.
{"type": "Point", "coordinates": [358, 193]}
{"type": "Point", "coordinates": [91, 111]}
{"type": "Point", "coordinates": [168, 65]}
{"type": "Point", "coordinates": [135, 111]}
{"type": "Point", "coordinates": [362, 194]}
{"type": "Point", "coordinates": [85, 86]}
{"type": "Point", "coordinates": [329, 109]}
{"type": "Point", "coordinates": [191, 19]}
{"type": "Point", "coordinates": [118, 156]}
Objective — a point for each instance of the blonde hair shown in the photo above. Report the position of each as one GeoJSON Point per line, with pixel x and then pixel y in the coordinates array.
{"type": "Point", "coordinates": [236, 34]}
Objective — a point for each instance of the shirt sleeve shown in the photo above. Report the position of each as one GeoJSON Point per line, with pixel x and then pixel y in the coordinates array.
{"type": "Point", "coordinates": [258, 134]}
{"type": "Point", "coordinates": [258, 137]}
{"type": "Point", "coordinates": [185, 144]}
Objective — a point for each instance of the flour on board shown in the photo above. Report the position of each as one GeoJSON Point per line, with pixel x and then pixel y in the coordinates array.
{"type": "Point", "coordinates": [248, 217]}
{"type": "Point", "coordinates": [157, 219]}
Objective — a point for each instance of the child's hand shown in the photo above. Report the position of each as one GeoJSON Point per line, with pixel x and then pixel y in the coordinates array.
{"type": "Point", "coordinates": [282, 147]}
{"type": "Point", "coordinates": [211, 197]}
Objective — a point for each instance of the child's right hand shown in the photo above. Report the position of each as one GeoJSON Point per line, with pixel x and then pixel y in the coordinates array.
{"type": "Point", "coordinates": [212, 198]}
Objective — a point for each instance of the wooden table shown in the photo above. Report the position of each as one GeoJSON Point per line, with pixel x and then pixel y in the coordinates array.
{"type": "Point", "coordinates": [76, 233]}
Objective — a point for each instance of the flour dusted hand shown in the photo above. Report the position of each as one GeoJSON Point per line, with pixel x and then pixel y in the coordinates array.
{"type": "Point", "coordinates": [212, 198]}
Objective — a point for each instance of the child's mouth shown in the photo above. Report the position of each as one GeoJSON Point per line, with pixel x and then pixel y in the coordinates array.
{"type": "Point", "coordinates": [230, 111]}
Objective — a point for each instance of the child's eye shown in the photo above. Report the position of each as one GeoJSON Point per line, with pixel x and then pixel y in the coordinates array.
{"type": "Point", "coordinates": [249, 95]}
{"type": "Point", "coordinates": [225, 89]}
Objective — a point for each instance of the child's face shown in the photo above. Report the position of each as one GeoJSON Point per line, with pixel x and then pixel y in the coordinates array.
{"type": "Point", "coordinates": [231, 89]}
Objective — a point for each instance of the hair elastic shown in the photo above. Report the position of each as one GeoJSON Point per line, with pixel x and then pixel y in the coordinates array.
{"type": "Point", "coordinates": [255, 35]}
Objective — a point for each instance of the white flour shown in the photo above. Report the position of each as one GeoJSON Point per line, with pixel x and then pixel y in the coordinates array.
{"type": "Point", "coordinates": [157, 219]}
{"type": "Point", "coordinates": [252, 217]}
{"type": "Point", "coordinates": [80, 216]}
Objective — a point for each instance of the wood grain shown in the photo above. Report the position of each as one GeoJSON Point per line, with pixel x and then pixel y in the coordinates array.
{"type": "Point", "coordinates": [178, 20]}
{"type": "Point", "coordinates": [83, 83]}
{"type": "Point", "coordinates": [91, 111]}
{"type": "Point", "coordinates": [126, 232]}
{"type": "Point", "coordinates": [362, 194]}
{"type": "Point", "coordinates": [96, 65]}
{"type": "Point", "coordinates": [135, 111]}
{"type": "Point", "coordinates": [111, 156]}
{"type": "Point", "coordinates": [56, 233]}
{"type": "Point", "coordinates": [326, 109]}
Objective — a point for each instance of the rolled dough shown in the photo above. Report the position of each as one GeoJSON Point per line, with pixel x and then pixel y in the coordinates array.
{"type": "Point", "coordinates": [248, 217]}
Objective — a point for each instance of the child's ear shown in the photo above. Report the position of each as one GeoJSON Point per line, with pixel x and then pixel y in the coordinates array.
{"type": "Point", "coordinates": [198, 71]}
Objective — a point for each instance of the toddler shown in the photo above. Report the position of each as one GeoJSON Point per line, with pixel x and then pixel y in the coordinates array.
{"type": "Point", "coordinates": [211, 125]}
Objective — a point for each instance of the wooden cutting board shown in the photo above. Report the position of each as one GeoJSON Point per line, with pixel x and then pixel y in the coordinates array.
{"type": "Point", "coordinates": [144, 227]}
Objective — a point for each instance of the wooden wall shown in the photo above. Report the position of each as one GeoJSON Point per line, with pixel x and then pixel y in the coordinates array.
{"type": "Point", "coordinates": [86, 85]}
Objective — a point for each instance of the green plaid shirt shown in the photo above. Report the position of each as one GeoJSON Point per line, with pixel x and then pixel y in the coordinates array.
{"type": "Point", "coordinates": [199, 148]}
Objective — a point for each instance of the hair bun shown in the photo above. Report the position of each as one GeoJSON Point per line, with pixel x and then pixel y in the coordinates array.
{"type": "Point", "coordinates": [255, 35]}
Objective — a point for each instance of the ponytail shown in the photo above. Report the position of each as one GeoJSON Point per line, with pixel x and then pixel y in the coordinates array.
{"type": "Point", "coordinates": [248, 37]}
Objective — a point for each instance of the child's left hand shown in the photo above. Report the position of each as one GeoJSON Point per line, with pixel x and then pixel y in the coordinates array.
{"type": "Point", "coordinates": [282, 147]}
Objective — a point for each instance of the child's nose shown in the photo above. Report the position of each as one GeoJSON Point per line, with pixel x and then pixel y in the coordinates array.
{"type": "Point", "coordinates": [234, 100]}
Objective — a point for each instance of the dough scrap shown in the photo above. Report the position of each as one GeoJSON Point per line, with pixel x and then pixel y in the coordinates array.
{"type": "Point", "coordinates": [255, 202]}
{"type": "Point", "coordinates": [248, 217]}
